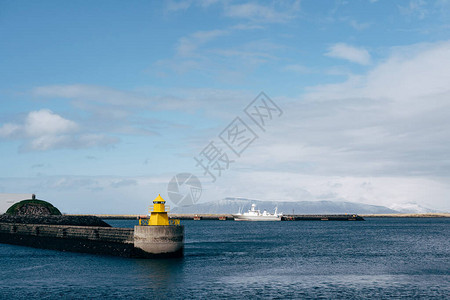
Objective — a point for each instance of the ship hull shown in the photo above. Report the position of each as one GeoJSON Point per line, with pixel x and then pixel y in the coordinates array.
{"type": "Point", "coordinates": [256, 218]}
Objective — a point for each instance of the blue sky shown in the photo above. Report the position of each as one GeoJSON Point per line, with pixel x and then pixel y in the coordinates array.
{"type": "Point", "coordinates": [103, 102]}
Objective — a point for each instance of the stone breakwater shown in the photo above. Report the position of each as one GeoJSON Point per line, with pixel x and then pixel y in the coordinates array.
{"type": "Point", "coordinates": [141, 242]}
{"type": "Point", "coordinates": [55, 220]}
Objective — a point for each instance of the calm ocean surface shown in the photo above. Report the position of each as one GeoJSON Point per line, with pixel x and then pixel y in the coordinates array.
{"type": "Point", "coordinates": [378, 258]}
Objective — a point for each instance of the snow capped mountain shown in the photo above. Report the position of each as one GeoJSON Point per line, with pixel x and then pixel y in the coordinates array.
{"type": "Point", "coordinates": [411, 208]}
{"type": "Point", "coordinates": [231, 205]}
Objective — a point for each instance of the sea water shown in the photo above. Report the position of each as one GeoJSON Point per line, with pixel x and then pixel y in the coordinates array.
{"type": "Point", "coordinates": [377, 258]}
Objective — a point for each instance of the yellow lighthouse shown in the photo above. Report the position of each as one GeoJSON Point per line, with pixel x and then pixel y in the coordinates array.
{"type": "Point", "coordinates": [158, 216]}
{"type": "Point", "coordinates": [156, 234]}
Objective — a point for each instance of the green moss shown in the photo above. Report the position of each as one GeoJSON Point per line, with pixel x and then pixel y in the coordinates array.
{"type": "Point", "coordinates": [15, 207]}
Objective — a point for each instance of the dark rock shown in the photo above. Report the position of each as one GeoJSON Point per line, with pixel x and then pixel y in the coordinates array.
{"type": "Point", "coordinates": [33, 210]}
{"type": "Point", "coordinates": [55, 220]}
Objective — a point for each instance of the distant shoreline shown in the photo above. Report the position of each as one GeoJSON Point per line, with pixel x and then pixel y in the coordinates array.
{"type": "Point", "coordinates": [133, 217]}
{"type": "Point", "coordinates": [426, 215]}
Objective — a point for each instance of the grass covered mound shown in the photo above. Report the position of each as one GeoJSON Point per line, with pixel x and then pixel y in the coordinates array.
{"type": "Point", "coordinates": [33, 207]}
{"type": "Point", "coordinates": [34, 211]}
{"type": "Point", "coordinates": [55, 220]}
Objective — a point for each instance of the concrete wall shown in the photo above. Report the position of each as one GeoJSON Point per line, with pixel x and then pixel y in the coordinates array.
{"type": "Point", "coordinates": [108, 234]}
{"type": "Point", "coordinates": [98, 240]}
{"type": "Point", "coordinates": [160, 240]}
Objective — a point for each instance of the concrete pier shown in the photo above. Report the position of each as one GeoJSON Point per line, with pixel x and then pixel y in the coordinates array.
{"type": "Point", "coordinates": [143, 241]}
{"type": "Point", "coordinates": [160, 240]}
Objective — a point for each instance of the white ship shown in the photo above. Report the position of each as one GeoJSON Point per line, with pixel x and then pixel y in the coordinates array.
{"type": "Point", "coordinates": [255, 215]}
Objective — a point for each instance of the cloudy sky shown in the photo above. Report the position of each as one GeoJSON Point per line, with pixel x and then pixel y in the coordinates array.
{"type": "Point", "coordinates": [103, 102]}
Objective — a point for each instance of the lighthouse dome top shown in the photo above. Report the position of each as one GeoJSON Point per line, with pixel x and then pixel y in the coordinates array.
{"type": "Point", "coordinates": [159, 199]}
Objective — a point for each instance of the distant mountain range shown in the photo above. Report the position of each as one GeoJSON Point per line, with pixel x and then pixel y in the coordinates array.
{"type": "Point", "coordinates": [412, 208]}
{"type": "Point", "coordinates": [234, 205]}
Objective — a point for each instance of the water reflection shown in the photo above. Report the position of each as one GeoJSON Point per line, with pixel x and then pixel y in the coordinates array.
{"type": "Point", "coordinates": [159, 274]}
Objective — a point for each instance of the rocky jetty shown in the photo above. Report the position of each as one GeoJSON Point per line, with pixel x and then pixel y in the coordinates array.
{"type": "Point", "coordinates": [55, 220]}
{"type": "Point", "coordinates": [37, 223]}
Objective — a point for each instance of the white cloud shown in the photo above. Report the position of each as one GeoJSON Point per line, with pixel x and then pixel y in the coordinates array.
{"type": "Point", "coordinates": [251, 10]}
{"type": "Point", "coordinates": [183, 5]}
{"type": "Point", "coordinates": [261, 13]}
{"type": "Point", "coordinates": [116, 107]}
{"type": "Point", "coordinates": [109, 109]}
{"type": "Point", "coordinates": [273, 12]}
{"type": "Point", "coordinates": [416, 8]}
{"type": "Point", "coordinates": [38, 124]}
{"type": "Point", "coordinates": [205, 53]}
{"type": "Point", "coordinates": [206, 3]}
{"type": "Point", "coordinates": [89, 140]}
{"type": "Point", "coordinates": [173, 6]}
{"type": "Point", "coordinates": [44, 122]}
{"type": "Point", "coordinates": [300, 186]}
{"type": "Point", "coordinates": [412, 73]}
{"type": "Point", "coordinates": [47, 142]}
{"type": "Point", "coordinates": [90, 92]}
{"type": "Point", "coordinates": [357, 55]}
{"type": "Point", "coordinates": [9, 129]}
{"type": "Point", "coordinates": [250, 54]}
{"type": "Point", "coordinates": [298, 69]}
{"type": "Point", "coordinates": [247, 27]}
{"type": "Point", "coordinates": [378, 138]}
{"type": "Point", "coordinates": [188, 46]}
{"type": "Point", "coordinates": [382, 135]}
{"type": "Point", "coordinates": [123, 183]}
{"type": "Point", "coordinates": [43, 130]}
{"type": "Point", "coordinates": [359, 26]}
